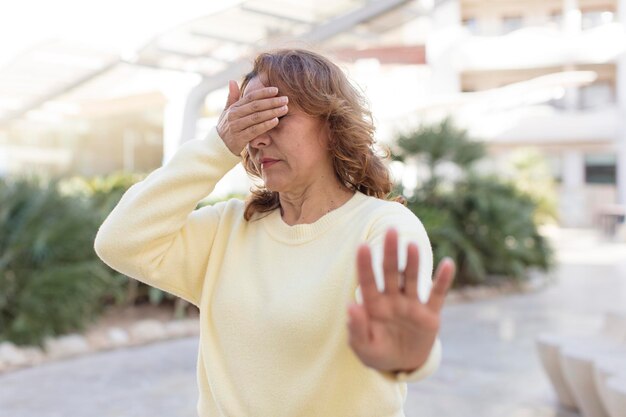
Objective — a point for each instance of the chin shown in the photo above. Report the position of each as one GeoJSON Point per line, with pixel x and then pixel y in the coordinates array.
{"type": "Point", "coordinates": [273, 186]}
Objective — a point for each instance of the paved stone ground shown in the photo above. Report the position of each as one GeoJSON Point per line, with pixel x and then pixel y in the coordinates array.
{"type": "Point", "coordinates": [490, 367]}
{"type": "Point", "coordinates": [154, 380]}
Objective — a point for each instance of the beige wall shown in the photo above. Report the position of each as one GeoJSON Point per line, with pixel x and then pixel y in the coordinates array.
{"type": "Point", "coordinates": [483, 80]}
{"type": "Point", "coordinates": [496, 9]}
{"type": "Point", "coordinates": [106, 136]}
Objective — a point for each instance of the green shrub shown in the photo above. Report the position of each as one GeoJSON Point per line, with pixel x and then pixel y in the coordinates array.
{"type": "Point", "coordinates": [104, 192]}
{"type": "Point", "coordinates": [487, 226]}
{"type": "Point", "coordinates": [51, 281]}
{"type": "Point", "coordinates": [485, 223]}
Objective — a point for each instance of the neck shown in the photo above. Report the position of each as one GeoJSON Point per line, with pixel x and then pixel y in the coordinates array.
{"type": "Point", "coordinates": [310, 204]}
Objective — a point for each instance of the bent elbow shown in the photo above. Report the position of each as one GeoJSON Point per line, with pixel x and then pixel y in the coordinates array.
{"type": "Point", "coordinates": [111, 250]}
{"type": "Point", "coordinates": [102, 244]}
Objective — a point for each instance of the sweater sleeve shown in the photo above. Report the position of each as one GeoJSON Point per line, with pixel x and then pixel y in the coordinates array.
{"type": "Point", "coordinates": [410, 229]}
{"type": "Point", "coordinates": [155, 235]}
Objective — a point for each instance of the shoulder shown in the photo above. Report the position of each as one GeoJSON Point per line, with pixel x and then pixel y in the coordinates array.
{"type": "Point", "coordinates": [384, 213]}
{"type": "Point", "coordinates": [227, 210]}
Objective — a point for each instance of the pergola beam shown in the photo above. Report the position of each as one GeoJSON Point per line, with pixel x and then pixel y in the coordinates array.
{"type": "Point", "coordinates": [317, 34]}
{"type": "Point", "coordinates": [291, 19]}
{"type": "Point", "coordinates": [220, 38]}
{"type": "Point", "coordinates": [15, 114]}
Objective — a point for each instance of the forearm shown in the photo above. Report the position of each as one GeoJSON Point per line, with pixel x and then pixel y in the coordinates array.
{"type": "Point", "coordinates": [153, 212]}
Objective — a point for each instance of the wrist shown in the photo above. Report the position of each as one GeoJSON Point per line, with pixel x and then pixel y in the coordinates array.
{"type": "Point", "coordinates": [409, 369]}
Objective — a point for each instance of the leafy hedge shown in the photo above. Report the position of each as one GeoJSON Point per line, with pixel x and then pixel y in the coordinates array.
{"type": "Point", "coordinates": [487, 224]}
{"type": "Point", "coordinates": [104, 193]}
{"type": "Point", "coordinates": [51, 281]}
{"type": "Point", "coordinates": [487, 227]}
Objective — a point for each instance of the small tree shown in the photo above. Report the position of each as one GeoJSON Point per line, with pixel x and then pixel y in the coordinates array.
{"type": "Point", "coordinates": [483, 222]}
{"type": "Point", "coordinates": [435, 144]}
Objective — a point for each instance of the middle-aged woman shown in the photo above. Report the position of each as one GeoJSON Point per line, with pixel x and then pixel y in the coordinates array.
{"type": "Point", "coordinates": [315, 294]}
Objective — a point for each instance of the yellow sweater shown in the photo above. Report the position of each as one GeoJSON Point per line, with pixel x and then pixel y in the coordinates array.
{"type": "Point", "coordinates": [272, 297]}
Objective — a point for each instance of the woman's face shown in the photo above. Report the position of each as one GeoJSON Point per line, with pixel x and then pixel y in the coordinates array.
{"type": "Point", "coordinates": [294, 154]}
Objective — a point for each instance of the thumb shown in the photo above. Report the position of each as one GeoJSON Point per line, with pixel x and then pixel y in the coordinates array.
{"type": "Point", "coordinates": [233, 93]}
{"type": "Point", "coordinates": [358, 325]}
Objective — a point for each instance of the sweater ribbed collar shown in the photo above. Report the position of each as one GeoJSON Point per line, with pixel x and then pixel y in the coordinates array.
{"type": "Point", "coordinates": [302, 233]}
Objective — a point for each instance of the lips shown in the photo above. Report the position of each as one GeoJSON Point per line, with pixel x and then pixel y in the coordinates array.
{"type": "Point", "coordinates": [267, 162]}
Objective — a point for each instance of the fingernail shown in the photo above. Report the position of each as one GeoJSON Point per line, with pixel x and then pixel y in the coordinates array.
{"type": "Point", "coordinates": [274, 90]}
{"type": "Point", "coordinates": [284, 99]}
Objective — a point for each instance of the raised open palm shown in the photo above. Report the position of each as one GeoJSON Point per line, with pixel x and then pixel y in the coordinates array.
{"type": "Point", "coordinates": [393, 330]}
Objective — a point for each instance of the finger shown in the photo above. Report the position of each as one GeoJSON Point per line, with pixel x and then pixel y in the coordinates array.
{"type": "Point", "coordinates": [245, 109]}
{"type": "Point", "coordinates": [358, 325]}
{"type": "Point", "coordinates": [233, 94]}
{"type": "Point", "coordinates": [443, 280]}
{"type": "Point", "coordinates": [390, 262]}
{"type": "Point", "coordinates": [259, 117]}
{"type": "Point", "coordinates": [369, 291]}
{"type": "Point", "coordinates": [411, 272]}
{"type": "Point", "coordinates": [261, 93]}
{"type": "Point", "coordinates": [258, 129]}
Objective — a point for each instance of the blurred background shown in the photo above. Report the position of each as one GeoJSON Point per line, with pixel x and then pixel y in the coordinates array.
{"type": "Point", "coordinates": [90, 88]}
{"type": "Point", "coordinates": [506, 125]}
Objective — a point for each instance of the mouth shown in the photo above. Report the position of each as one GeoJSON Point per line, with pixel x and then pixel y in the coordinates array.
{"type": "Point", "coordinates": [268, 162]}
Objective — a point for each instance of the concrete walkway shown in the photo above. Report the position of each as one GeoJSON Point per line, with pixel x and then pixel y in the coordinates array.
{"type": "Point", "coordinates": [490, 367]}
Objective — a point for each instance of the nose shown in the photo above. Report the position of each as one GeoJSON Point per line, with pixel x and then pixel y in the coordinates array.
{"type": "Point", "coordinates": [260, 141]}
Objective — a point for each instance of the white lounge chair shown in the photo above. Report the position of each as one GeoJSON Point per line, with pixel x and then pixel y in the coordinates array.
{"type": "Point", "coordinates": [577, 365]}
{"type": "Point", "coordinates": [550, 345]}
{"type": "Point", "coordinates": [616, 396]}
{"type": "Point", "coordinates": [604, 369]}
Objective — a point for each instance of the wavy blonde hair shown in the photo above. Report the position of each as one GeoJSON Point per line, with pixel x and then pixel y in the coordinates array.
{"type": "Point", "coordinates": [320, 89]}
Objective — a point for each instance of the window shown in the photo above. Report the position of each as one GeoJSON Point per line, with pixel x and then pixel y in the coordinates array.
{"type": "Point", "coordinates": [600, 169]}
{"type": "Point", "coordinates": [511, 23]}
{"type": "Point", "coordinates": [556, 19]}
{"type": "Point", "coordinates": [471, 24]}
{"type": "Point", "coordinates": [595, 18]}
{"type": "Point", "coordinates": [596, 95]}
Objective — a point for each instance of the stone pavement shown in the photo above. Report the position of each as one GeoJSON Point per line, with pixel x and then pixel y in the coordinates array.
{"type": "Point", "coordinates": [489, 369]}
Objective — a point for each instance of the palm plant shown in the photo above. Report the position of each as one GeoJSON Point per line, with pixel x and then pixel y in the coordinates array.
{"type": "Point", "coordinates": [51, 281]}
{"type": "Point", "coordinates": [433, 144]}
{"type": "Point", "coordinates": [483, 222]}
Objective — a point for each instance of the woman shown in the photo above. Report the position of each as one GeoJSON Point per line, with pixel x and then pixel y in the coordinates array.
{"type": "Point", "coordinates": [291, 324]}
